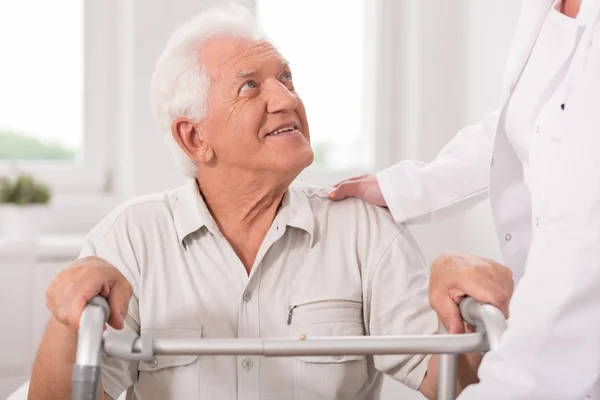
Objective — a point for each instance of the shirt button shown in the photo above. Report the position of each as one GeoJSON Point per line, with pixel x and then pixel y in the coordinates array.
{"type": "Point", "coordinates": [508, 237]}
{"type": "Point", "coordinates": [537, 129]}
{"type": "Point", "coordinates": [338, 357]}
{"type": "Point", "coordinates": [537, 222]}
{"type": "Point", "coordinates": [153, 363]}
{"type": "Point", "coordinates": [492, 162]}
{"type": "Point", "coordinates": [247, 364]}
{"type": "Point", "coordinates": [247, 295]}
{"type": "Point", "coordinates": [512, 87]}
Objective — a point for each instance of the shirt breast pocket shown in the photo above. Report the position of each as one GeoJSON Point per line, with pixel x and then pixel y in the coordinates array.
{"type": "Point", "coordinates": [169, 377]}
{"type": "Point", "coordinates": [328, 376]}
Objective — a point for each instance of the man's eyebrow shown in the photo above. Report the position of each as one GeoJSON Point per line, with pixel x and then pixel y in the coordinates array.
{"type": "Point", "coordinates": [246, 73]}
{"type": "Point", "coordinates": [253, 72]}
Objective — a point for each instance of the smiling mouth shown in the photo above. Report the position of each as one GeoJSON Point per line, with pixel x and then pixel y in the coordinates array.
{"type": "Point", "coordinates": [283, 130]}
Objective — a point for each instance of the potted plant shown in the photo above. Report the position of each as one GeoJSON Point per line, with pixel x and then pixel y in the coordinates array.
{"type": "Point", "coordinates": [23, 208]}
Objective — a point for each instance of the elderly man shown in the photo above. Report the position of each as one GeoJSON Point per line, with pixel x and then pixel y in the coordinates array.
{"type": "Point", "coordinates": [241, 252]}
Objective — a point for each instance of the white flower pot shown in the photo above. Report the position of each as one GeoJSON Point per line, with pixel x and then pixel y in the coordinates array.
{"type": "Point", "coordinates": [22, 223]}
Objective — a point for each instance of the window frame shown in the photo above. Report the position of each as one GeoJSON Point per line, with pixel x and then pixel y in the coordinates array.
{"type": "Point", "coordinates": [91, 176]}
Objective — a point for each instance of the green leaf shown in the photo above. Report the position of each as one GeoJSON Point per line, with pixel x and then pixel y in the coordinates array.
{"type": "Point", "coordinates": [24, 190]}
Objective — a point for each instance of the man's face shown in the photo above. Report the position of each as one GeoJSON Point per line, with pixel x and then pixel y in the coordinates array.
{"type": "Point", "coordinates": [255, 120]}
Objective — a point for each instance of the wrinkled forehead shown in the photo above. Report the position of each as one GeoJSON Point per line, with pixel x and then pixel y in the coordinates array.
{"type": "Point", "coordinates": [228, 57]}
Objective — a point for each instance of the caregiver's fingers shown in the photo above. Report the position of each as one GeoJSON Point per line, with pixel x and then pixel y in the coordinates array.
{"type": "Point", "coordinates": [354, 178]}
{"type": "Point", "coordinates": [366, 188]}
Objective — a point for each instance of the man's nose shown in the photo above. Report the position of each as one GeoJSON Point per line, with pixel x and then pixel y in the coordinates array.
{"type": "Point", "coordinates": [280, 98]}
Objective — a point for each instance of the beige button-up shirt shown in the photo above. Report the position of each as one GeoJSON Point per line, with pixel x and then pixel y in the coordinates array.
{"type": "Point", "coordinates": [324, 268]}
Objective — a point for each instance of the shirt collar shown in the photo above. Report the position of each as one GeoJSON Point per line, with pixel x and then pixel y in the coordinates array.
{"type": "Point", "coordinates": [191, 214]}
{"type": "Point", "coordinates": [296, 212]}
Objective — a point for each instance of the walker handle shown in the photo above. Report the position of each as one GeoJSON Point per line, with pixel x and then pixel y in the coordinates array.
{"type": "Point", "coordinates": [86, 370]}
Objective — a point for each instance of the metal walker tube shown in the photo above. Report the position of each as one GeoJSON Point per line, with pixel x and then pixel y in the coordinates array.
{"type": "Point", "coordinates": [489, 321]}
{"type": "Point", "coordinates": [86, 370]}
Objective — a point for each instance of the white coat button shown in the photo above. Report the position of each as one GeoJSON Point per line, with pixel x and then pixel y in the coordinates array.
{"type": "Point", "coordinates": [153, 363]}
{"type": "Point", "coordinates": [247, 295]}
{"type": "Point", "coordinates": [247, 364]}
{"type": "Point", "coordinates": [537, 222]}
{"type": "Point", "coordinates": [508, 237]}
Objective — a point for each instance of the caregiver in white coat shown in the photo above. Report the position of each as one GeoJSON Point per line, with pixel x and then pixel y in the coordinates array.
{"type": "Point", "coordinates": [538, 160]}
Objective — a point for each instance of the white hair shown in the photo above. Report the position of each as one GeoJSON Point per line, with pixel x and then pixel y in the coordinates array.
{"type": "Point", "coordinates": [180, 83]}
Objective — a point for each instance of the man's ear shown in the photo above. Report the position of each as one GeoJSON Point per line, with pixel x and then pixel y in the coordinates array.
{"type": "Point", "coordinates": [192, 140]}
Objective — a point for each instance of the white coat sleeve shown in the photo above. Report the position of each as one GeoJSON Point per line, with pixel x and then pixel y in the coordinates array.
{"type": "Point", "coordinates": [458, 176]}
{"type": "Point", "coordinates": [551, 349]}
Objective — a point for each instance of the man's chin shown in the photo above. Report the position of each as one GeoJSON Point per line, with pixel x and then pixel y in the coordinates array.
{"type": "Point", "coordinates": [295, 164]}
{"type": "Point", "coordinates": [308, 158]}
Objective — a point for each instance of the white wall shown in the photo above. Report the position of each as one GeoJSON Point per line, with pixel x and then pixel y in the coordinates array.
{"type": "Point", "coordinates": [145, 28]}
{"type": "Point", "coordinates": [489, 32]}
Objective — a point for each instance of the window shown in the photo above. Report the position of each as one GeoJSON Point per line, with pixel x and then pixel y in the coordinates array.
{"type": "Point", "coordinates": [328, 52]}
{"type": "Point", "coordinates": [52, 118]}
{"type": "Point", "coordinates": [42, 80]}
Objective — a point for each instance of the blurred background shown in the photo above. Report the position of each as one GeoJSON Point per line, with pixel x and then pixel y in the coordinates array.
{"type": "Point", "coordinates": [382, 80]}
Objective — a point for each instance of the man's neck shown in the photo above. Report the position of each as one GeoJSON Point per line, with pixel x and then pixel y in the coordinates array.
{"type": "Point", "coordinates": [244, 209]}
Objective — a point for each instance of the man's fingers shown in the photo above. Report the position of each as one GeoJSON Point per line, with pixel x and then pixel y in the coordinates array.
{"type": "Point", "coordinates": [118, 299]}
{"type": "Point", "coordinates": [116, 318]}
{"type": "Point", "coordinates": [81, 292]}
{"type": "Point", "coordinates": [77, 306]}
{"type": "Point", "coordinates": [448, 313]}
{"type": "Point", "coordinates": [486, 291]}
{"type": "Point", "coordinates": [72, 289]}
{"type": "Point", "coordinates": [453, 323]}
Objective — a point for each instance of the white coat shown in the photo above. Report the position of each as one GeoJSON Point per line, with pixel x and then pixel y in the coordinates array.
{"type": "Point", "coordinates": [549, 233]}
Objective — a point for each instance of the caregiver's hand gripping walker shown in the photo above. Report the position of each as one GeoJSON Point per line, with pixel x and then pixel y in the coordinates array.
{"type": "Point", "coordinates": [489, 321]}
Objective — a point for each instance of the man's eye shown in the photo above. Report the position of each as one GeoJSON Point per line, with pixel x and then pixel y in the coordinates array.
{"type": "Point", "coordinates": [248, 85]}
{"type": "Point", "coordinates": [287, 75]}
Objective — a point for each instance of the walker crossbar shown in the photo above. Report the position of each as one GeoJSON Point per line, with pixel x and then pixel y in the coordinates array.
{"type": "Point", "coordinates": [489, 321]}
{"type": "Point", "coordinates": [316, 346]}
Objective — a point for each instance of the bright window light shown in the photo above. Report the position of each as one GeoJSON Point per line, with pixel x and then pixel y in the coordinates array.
{"type": "Point", "coordinates": [324, 41]}
{"type": "Point", "coordinates": [41, 80]}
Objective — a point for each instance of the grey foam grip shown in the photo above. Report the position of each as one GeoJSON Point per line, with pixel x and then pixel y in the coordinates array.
{"type": "Point", "coordinates": [85, 382]}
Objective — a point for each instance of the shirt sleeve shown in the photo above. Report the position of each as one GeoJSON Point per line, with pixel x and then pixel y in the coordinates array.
{"type": "Point", "coordinates": [551, 348]}
{"type": "Point", "coordinates": [397, 303]}
{"type": "Point", "coordinates": [117, 375]}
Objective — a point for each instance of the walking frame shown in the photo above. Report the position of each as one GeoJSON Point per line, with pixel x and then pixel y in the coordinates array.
{"type": "Point", "coordinates": [488, 320]}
